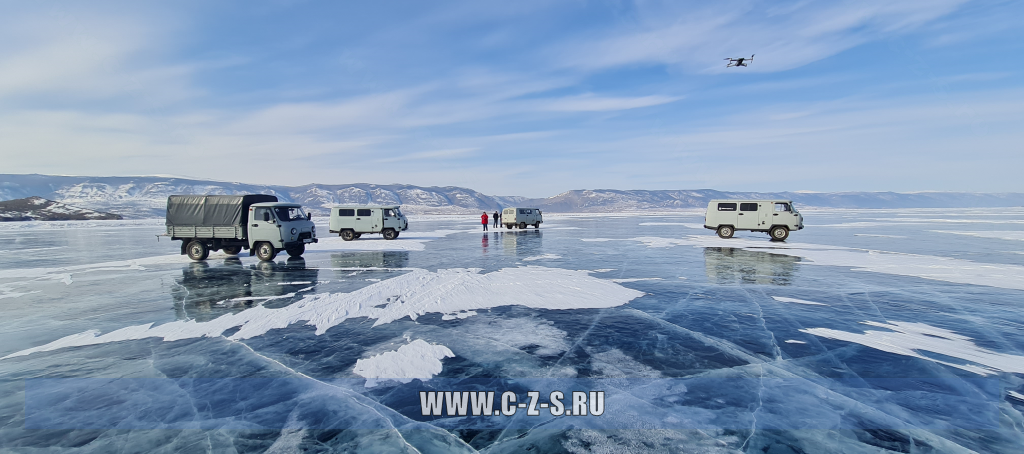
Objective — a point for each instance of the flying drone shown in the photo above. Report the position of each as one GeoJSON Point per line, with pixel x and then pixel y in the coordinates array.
{"type": "Point", "coordinates": [742, 61]}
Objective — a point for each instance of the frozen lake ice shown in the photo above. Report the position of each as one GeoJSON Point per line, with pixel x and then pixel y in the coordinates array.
{"type": "Point", "coordinates": [870, 330]}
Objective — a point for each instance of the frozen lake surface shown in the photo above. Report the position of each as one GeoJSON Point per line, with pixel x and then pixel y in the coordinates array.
{"type": "Point", "coordinates": [870, 330]}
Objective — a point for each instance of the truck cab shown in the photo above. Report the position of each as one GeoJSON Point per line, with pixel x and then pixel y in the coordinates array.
{"type": "Point", "coordinates": [352, 221]}
{"type": "Point", "coordinates": [774, 217]}
{"type": "Point", "coordinates": [275, 226]}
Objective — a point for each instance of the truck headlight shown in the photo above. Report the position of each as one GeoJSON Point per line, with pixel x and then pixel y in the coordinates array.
{"type": "Point", "coordinates": [294, 231]}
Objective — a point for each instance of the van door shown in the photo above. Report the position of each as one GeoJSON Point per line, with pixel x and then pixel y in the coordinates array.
{"type": "Point", "coordinates": [368, 220]}
{"type": "Point", "coordinates": [747, 217]}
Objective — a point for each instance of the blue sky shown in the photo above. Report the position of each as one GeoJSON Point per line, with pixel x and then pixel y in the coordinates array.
{"type": "Point", "coordinates": [520, 98]}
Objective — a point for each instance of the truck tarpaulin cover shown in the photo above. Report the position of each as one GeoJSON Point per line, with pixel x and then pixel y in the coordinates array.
{"type": "Point", "coordinates": [211, 210]}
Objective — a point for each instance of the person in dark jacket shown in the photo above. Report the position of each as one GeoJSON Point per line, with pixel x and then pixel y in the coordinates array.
{"type": "Point", "coordinates": [483, 220]}
{"type": "Point", "coordinates": [497, 219]}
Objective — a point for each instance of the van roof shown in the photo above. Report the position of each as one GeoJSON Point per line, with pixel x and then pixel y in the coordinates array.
{"type": "Point", "coordinates": [277, 204]}
{"type": "Point", "coordinates": [367, 206]}
{"type": "Point", "coordinates": [750, 200]}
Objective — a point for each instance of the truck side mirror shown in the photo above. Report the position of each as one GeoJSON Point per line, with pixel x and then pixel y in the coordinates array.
{"type": "Point", "coordinates": [309, 216]}
{"type": "Point", "coordinates": [266, 217]}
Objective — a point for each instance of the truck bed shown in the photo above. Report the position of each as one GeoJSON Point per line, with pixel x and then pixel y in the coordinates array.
{"type": "Point", "coordinates": [205, 231]}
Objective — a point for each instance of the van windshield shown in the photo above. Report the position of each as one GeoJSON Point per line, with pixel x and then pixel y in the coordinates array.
{"type": "Point", "coordinates": [290, 214]}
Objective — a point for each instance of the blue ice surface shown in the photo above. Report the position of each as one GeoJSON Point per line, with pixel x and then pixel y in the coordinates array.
{"type": "Point", "coordinates": [701, 362]}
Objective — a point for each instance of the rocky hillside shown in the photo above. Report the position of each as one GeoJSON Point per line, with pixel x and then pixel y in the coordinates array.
{"type": "Point", "coordinates": [40, 209]}
{"type": "Point", "coordinates": [146, 197]}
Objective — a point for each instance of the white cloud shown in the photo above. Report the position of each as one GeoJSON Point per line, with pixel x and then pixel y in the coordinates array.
{"type": "Point", "coordinates": [591, 103]}
{"type": "Point", "coordinates": [784, 36]}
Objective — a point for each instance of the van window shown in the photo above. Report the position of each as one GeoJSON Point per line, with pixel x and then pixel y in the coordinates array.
{"type": "Point", "coordinates": [529, 211]}
{"type": "Point", "coordinates": [346, 212]}
{"type": "Point", "coordinates": [748, 207]}
{"type": "Point", "coordinates": [362, 212]}
{"type": "Point", "coordinates": [782, 207]}
{"type": "Point", "coordinates": [726, 207]}
{"type": "Point", "coordinates": [521, 211]}
{"type": "Point", "coordinates": [388, 212]}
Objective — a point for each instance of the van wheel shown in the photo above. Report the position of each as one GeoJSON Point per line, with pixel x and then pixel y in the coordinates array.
{"type": "Point", "coordinates": [779, 233]}
{"type": "Point", "coordinates": [266, 252]}
{"type": "Point", "coordinates": [196, 250]}
{"type": "Point", "coordinates": [390, 234]}
{"type": "Point", "coordinates": [296, 251]}
{"type": "Point", "coordinates": [357, 235]}
{"type": "Point", "coordinates": [347, 235]}
{"type": "Point", "coordinates": [725, 231]}
{"type": "Point", "coordinates": [522, 225]}
{"type": "Point", "coordinates": [232, 250]}
{"type": "Point", "coordinates": [508, 226]}
{"type": "Point", "coordinates": [536, 226]}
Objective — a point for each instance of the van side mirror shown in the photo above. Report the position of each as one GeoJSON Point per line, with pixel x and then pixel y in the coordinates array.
{"type": "Point", "coordinates": [309, 216]}
{"type": "Point", "coordinates": [266, 217]}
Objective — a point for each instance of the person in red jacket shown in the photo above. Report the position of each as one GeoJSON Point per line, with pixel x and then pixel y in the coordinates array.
{"type": "Point", "coordinates": [483, 220]}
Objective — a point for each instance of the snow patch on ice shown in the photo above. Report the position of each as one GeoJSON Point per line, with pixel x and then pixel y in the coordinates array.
{"type": "Point", "coordinates": [407, 241]}
{"type": "Point", "coordinates": [410, 295]}
{"type": "Point", "coordinates": [791, 341]}
{"type": "Point", "coordinates": [635, 279]}
{"type": "Point", "coordinates": [542, 257]}
{"type": "Point", "coordinates": [616, 364]}
{"type": "Point", "coordinates": [459, 315]}
{"type": "Point", "coordinates": [415, 360]}
{"type": "Point", "coordinates": [924, 266]}
{"type": "Point", "coordinates": [684, 224]}
{"type": "Point", "coordinates": [61, 273]}
{"type": "Point", "coordinates": [1016, 395]}
{"type": "Point", "coordinates": [910, 338]}
{"type": "Point", "coordinates": [797, 301]}
{"type": "Point", "coordinates": [653, 241]}
{"type": "Point", "coordinates": [999, 235]}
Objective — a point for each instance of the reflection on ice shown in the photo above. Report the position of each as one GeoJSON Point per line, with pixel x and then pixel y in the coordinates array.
{"type": "Point", "coordinates": [738, 266]}
{"type": "Point", "coordinates": [206, 291]}
{"type": "Point", "coordinates": [371, 259]}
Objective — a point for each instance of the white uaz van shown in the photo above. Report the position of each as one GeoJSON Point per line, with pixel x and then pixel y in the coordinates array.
{"type": "Point", "coordinates": [521, 217]}
{"type": "Point", "coordinates": [775, 217]}
{"type": "Point", "coordinates": [350, 222]}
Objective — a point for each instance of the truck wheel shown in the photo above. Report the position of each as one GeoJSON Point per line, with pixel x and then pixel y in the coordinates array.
{"type": "Point", "coordinates": [196, 250]}
{"type": "Point", "coordinates": [347, 235]}
{"type": "Point", "coordinates": [266, 252]}
{"type": "Point", "coordinates": [296, 251]}
{"type": "Point", "coordinates": [725, 231]}
{"type": "Point", "coordinates": [779, 233]}
{"type": "Point", "coordinates": [231, 250]}
{"type": "Point", "coordinates": [522, 225]}
{"type": "Point", "coordinates": [389, 234]}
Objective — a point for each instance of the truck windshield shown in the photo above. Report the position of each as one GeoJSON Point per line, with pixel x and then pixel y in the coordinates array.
{"type": "Point", "coordinates": [290, 214]}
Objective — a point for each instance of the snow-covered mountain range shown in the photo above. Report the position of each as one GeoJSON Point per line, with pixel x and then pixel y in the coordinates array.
{"type": "Point", "coordinates": [146, 197]}
{"type": "Point", "coordinates": [39, 209]}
